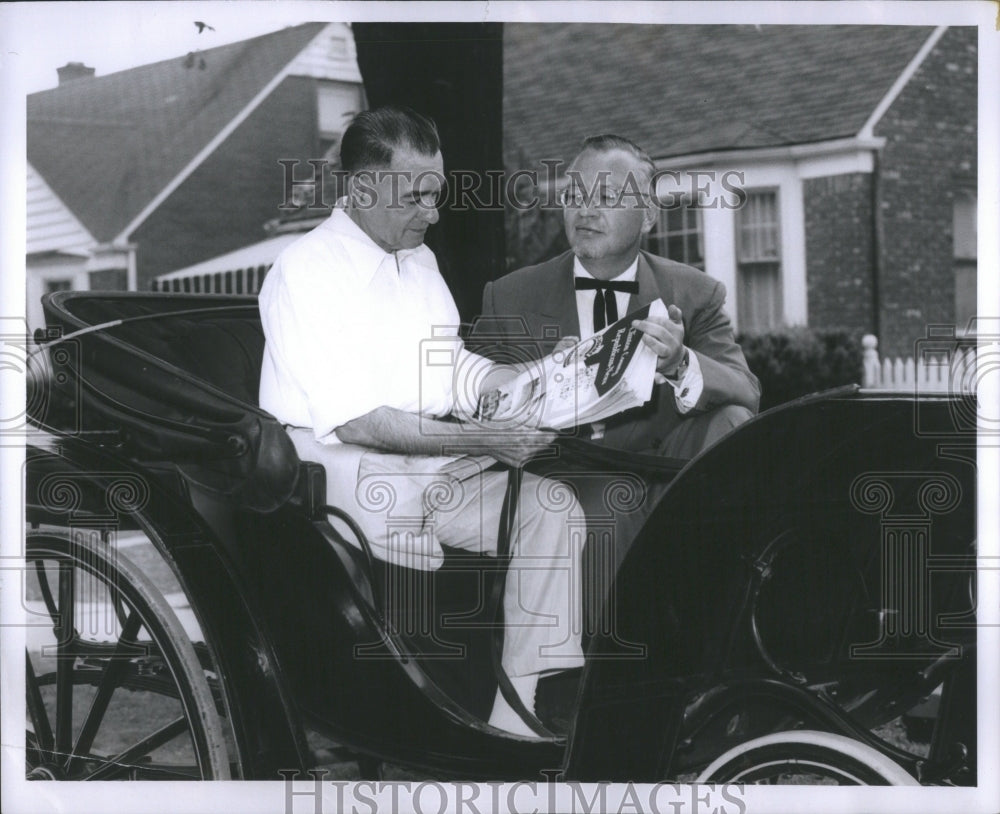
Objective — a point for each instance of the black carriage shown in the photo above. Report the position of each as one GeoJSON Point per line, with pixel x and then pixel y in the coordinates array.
{"type": "Point", "coordinates": [801, 584]}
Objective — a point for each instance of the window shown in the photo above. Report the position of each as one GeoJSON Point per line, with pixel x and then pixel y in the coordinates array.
{"type": "Point", "coordinates": [965, 257]}
{"type": "Point", "coordinates": [758, 262]}
{"type": "Point", "coordinates": [678, 234]}
{"type": "Point", "coordinates": [336, 104]}
{"type": "Point", "coordinates": [58, 285]}
{"type": "Point", "coordinates": [336, 47]}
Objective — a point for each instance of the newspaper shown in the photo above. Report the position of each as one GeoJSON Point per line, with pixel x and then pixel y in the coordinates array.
{"type": "Point", "coordinates": [600, 376]}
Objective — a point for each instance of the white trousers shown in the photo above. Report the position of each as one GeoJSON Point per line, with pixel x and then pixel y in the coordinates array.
{"type": "Point", "coordinates": [407, 508]}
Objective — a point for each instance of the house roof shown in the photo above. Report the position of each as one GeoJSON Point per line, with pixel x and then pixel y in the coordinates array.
{"type": "Point", "coordinates": [108, 145]}
{"type": "Point", "coordinates": [263, 253]}
{"type": "Point", "coordinates": [686, 89]}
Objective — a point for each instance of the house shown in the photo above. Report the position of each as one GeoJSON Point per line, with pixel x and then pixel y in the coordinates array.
{"type": "Point", "coordinates": [825, 174]}
{"type": "Point", "coordinates": [141, 172]}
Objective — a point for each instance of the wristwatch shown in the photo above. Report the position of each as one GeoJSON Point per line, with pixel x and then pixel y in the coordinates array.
{"type": "Point", "coordinates": [681, 368]}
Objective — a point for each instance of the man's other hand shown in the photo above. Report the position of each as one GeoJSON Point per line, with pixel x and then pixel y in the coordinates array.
{"type": "Point", "coordinates": [513, 447]}
{"type": "Point", "coordinates": [665, 335]}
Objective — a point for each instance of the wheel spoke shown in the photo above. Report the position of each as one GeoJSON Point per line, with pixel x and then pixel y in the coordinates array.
{"type": "Point", "coordinates": [65, 660]}
{"type": "Point", "coordinates": [143, 747]}
{"type": "Point", "coordinates": [36, 709]}
{"type": "Point", "coordinates": [43, 585]}
{"type": "Point", "coordinates": [147, 653]}
{"type": "Point", "coordinates": [120, 610]}
{"type": "Point", "coordinates": [109, 681]}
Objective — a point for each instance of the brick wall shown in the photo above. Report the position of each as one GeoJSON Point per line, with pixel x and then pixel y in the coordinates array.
{"type": "Point", "coordinates": [224, 203]}
{"type": "Point", "coordinates": [839, 232]}
{"type": "Point", "coordinates": [930, 153]}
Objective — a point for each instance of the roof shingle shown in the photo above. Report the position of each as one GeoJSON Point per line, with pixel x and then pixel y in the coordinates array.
{"type": "Point", "coordinates": [683, 89]}
{"type": "Point", "coordinates": [108, 145]}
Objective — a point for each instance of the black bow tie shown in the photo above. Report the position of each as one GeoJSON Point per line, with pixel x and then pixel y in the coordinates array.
{"type": "Point", "coordinates": [605, 303]}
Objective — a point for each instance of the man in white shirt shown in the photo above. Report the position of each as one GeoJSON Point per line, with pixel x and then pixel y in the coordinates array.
{"type": "Point", "coordinates": [363, 361]}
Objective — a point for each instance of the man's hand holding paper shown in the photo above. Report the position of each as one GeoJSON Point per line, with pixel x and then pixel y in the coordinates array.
{"type": "Point", "coordinates": [590, 380]}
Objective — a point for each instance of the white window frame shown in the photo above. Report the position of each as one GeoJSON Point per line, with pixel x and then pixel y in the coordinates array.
{"type": "Point", "coordinates": [777, 261]}
{"type": "Point", "coordinates": [661, 232]}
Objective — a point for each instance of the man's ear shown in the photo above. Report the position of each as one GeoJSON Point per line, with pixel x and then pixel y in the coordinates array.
{"type": "Point", "coordinates": [650, 215]}
{"type": "Point", "coordinates": [361, 192]}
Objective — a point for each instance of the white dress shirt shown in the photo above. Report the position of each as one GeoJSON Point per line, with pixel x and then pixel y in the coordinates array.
{"type": "Point", "coordinates": [350, 327]}
{"type": "Point", "coordinates": [688, 389]}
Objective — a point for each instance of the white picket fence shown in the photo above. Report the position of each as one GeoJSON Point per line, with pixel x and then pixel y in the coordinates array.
{"type": "Point", "coordinates": [944, 372]}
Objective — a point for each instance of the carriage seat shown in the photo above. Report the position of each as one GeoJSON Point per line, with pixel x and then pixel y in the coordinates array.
{"type": "Point", "coordinates": [225, 351]}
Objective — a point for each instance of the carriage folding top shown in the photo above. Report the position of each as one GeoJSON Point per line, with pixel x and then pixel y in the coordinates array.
{"type": "Point", "coordinates": [177, 377]}
{"type": "Point", "coordinates": [773, 591]}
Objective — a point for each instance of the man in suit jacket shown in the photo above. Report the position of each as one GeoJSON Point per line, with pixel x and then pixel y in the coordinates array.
{"type": "Point", "coordinates": [704, 387]}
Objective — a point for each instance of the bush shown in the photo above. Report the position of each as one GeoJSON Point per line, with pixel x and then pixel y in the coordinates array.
{"type": "Point", "coordinates": [797, 361]}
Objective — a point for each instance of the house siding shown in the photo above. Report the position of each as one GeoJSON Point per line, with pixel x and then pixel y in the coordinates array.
{"type": "Point", "coordinates": [839, 242]}
{"type": "Point", "coordinates": [50, 224]}
{"type": "Point", "coordinates": [225, 202]}
{"type": "Point", "coordinates": [930, 153]}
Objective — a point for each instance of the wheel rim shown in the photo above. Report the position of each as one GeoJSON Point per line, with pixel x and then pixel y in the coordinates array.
{"type": "Point", "coordinates": [792, 771]}
{"type": "Point", "coordinates": [115, 689]}
{"type": "Point", "coordinates": [806, 757]}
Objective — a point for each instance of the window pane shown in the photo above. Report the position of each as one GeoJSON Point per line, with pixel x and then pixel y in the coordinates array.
{"type": "Point", "coordinates": [692, 253]}
{"type": "Point", "coordinates": [678, 235]}
{"type": "Point", "coordinates": [759, 298]}
{"type": "Point", "coordinates": [337, 103]}
{"type": "Point", "coordinates": [675, 219]}
{"type": "Point", "coordinates": [691, 218]}
{"type": "Point", "coordinates": [758, 246]}
{"type": "Point", "coordinates": [675, 248]}
{"type": "Point", "coordinates": [757, 228]}
{"type": "Point", "coordinates": [58, 285]}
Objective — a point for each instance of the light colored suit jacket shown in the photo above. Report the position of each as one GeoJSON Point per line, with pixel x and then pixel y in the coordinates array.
{"type": "Point", "coordinates": [527, 311]}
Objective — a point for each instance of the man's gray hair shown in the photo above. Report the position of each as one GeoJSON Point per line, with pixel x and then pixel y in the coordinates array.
{"type": "Point", "coordinates": [607, 142]}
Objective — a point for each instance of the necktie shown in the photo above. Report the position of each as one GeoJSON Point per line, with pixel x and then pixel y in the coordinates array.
{"type": "Point", "coordinates": [605, 304]}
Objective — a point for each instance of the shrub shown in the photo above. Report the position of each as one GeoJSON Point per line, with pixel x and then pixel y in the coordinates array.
{"type": "Point", "coordinates": [794, 362]}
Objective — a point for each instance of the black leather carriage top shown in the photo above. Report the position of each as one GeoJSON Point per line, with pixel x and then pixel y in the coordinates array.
{"type": "Point", "coordinates": [176, 376]}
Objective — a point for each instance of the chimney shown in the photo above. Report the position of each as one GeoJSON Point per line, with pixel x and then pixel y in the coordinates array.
{"type": "Point", "coordinates": [72, 71]}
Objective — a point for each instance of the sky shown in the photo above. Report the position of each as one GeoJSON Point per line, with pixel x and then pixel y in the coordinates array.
{"type": "Point", "coordinates": [37, 38]}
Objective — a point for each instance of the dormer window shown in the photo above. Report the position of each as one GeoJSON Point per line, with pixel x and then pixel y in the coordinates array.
{"type": "Point", "coordinates": [336, 104]}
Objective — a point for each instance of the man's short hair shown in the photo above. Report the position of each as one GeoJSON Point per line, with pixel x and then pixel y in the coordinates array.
{"type": "Point", "coordinates": [372, 137]}
{"type": "Point", "coordinates": [606, 142]}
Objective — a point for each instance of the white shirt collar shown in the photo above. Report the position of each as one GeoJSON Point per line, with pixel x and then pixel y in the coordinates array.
{"type": "Point", "coordinates": [626, 276]}
{"type": "Point", "coordinates": [365, 254]}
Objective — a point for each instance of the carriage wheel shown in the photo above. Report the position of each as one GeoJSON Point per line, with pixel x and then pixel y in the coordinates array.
{"type": "Point", "coordinates": [115, 689]}
{"type": "Point", "coordinates": [803, 758]}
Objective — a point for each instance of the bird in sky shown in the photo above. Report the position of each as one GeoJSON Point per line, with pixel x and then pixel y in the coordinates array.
{"type": "Point", "coordinates": [202, 26]}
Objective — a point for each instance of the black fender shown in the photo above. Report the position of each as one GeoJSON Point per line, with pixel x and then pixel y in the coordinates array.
{"type": "Point", "coordinates": [73, 483]}
{"type": "Point", "coordinates": [763, 561]}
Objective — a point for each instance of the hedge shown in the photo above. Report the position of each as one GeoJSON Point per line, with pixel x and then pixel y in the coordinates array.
{"type": "Point", "coordinates": [794, 362]}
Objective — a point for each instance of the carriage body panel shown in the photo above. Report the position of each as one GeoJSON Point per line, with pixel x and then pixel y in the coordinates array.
{"type": "Point", "coordinates": [741, 600]}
